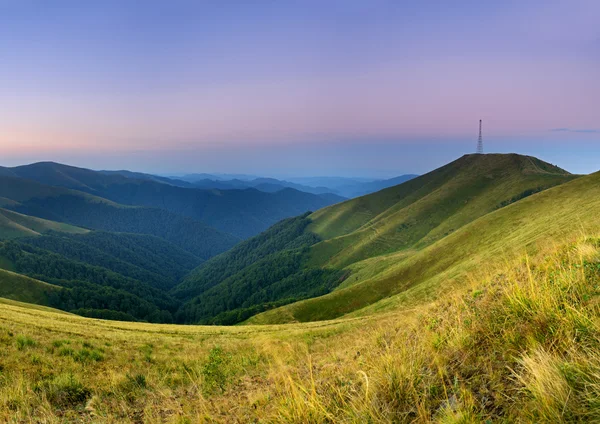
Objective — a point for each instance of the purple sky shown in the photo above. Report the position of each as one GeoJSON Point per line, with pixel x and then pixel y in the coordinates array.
{"type": "Point", "coordinates": [294, 88]}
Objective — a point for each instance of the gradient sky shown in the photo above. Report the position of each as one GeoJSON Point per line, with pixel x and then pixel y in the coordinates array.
{"type": "Point", "coordinates": [296, 88]}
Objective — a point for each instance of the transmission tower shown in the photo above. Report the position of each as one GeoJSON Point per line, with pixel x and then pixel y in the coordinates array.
{"type": "Point", "coordinates": [480, 141]}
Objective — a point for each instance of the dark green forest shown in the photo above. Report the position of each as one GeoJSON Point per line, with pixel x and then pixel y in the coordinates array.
{"type": "Point", "coordinates": [145, 278]}
{"type": "Point", "coordinates": [158, 251]}
{"type": "Point", "coordinates": [258, 274]}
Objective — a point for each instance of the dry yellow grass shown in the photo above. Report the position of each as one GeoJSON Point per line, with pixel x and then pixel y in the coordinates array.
{"type": "Point", "coordinates": [522, 345]}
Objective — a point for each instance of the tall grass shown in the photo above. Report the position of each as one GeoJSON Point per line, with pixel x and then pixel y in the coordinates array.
{"type": "Point", "coordinates": [520, 346]}
{"type": "Point", "coordinates": [525, 347]}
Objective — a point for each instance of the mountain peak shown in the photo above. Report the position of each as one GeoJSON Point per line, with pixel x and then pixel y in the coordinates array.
{"type": "Point", "coordinates": [510, 161]}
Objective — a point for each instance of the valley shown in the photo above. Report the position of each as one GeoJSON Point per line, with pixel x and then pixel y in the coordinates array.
{"type": "Point", "coordinates": [91, 284]}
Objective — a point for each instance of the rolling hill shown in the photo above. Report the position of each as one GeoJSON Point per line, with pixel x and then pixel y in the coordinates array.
{"type": "Point", "coordinates": [401, 220]}
{"type": "Point", "coordinates": [93, 212]}
{"type": "Point", "coordinates": [243, 213]}
{"type": "Point", "coordinates": [520, 344]}
{"type": "Point", "coordinates": [406, 278]}
{"type": "Point", "coordinates": [24, 289]}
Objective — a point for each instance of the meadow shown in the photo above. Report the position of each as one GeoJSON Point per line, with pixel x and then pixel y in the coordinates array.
{"type": "Point", "coordinates": [519, 343]}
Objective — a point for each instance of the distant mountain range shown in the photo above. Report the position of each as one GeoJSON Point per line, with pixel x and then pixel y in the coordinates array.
{"type": "Point", "coordinates": [240, 212]}
{"type": "Point", "coordinates": [344, 187]}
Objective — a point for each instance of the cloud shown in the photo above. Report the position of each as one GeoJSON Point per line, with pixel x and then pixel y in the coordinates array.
{"type": "Point", "coordinates": [584, 131]}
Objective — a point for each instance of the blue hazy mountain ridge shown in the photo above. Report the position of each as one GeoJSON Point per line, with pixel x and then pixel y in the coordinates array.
{"type": "Point", "coordinates": [343, 187]}
{"type": "Point", "coordinates": [240, 212]}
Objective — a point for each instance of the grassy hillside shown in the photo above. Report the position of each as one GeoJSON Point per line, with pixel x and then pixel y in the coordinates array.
{"type": "Point", "coordinates": [405, 279]}
{"type": "Point", "coordinates": [24, 289]}
{"type": "Point", "coordinates": [428, 208]}
{"type": "Point", "coordinates": [243, 213]}
{"type": "Point", "coordinates": [400, 220]}
{"type": "Point", "coordinates": [82, 209]}
{"type": "Point", "coordinates": [14, 225]}
{"type": "Point", "coordinates": [519, 345]}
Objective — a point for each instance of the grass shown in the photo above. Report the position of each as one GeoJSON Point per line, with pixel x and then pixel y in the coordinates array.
{"type": "Point", "coordinates": [428, 208]}
{"type": "Point", "coordinates": [521, 344]}
{"type": "Point", "coordinates": [24, 289]}
{"type": "Point", "coordinates": [405, 279]}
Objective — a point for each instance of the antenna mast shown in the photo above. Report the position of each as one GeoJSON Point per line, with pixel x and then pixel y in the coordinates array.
{"type": "Point", "coordinates": [480, 141]}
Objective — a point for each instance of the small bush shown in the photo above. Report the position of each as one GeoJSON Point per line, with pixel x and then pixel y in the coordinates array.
{"type": "Point", "coordinates": [24, 342]}
{"type": "Point", "coordinates": [66, 391]}
{"type": "Point", "coordinates": [216, 371]}
{"type": "Point", "coordinates": [60, 343]}
{"type": "Point", "coordinates": [85, 355]}
{"type": "Point", "coordinates": [66, 351]}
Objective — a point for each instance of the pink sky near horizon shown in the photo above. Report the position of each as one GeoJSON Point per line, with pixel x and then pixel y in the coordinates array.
{"type": "Point", "coordinates": [525, 69]}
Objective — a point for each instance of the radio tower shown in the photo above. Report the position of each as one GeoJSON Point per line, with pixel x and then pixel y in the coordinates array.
{"type": "Point", "coordinates": [480, 141]}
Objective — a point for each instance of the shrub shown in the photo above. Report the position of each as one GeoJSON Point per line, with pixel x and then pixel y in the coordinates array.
{"type": "Point", "coordinates": [66, 391]}
{"type": "Point", "coordinates": [24, 342]}
{"type": "Point", "coordinates": [216, 371]}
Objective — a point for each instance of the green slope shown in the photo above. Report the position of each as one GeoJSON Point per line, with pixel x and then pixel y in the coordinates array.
{"type": "Point", "coordinates": [428, 208]}
{"type": "Point", "coordinates": [402, 220]}
{"type": "Point", "coordinates": [145, 258]}
{"type": "Point", "coordinates": [398, 280]}
{"type": "Point", "coordinates": [15, 225]}
{"type": "Point", "coordinates": [24, 289]}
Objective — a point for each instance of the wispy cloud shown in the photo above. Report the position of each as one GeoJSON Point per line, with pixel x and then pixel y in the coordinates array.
{"type": "Point", "coordinates": [571, 130]}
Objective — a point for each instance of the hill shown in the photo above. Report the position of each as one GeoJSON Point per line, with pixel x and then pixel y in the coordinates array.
{"type": "Point", "coordinates": [24, 289]}
{"type": "Point", "coordinates": [243, 213]}
{"type": "Point", "coordinates": [406, 278]}
{"type": "Point", "coordinates": [427, 208]}
{"type": "Point", "coordinates": [14, 225]}
{"type": "Point", "coordinates": [518, 345]}
{"type": "Point", "coordinates": [400, 220]}
{"type": "Point", "coordinates": [93, 212]}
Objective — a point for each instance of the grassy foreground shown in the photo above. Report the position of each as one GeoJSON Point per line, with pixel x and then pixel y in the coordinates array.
{"type": "Point", "coordinates": [520, 345]}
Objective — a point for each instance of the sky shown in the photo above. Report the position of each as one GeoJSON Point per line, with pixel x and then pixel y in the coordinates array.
{"type": "Point", "coordinates": [297, 88]}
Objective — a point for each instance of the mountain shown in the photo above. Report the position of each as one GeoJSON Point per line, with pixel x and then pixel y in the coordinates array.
{"type": "Point", "coordinates": [243, 213]}
{"type": "Point", "coordinates": [146, 258]}
{"type": "Point", "coordinates": [341, 187]}
{"type": "Point", "coordinates": [421, 268]}
{"type": "Point", "coordinates": [101, 274]}
{"type": "Point", "coordinates": [93, 212]}
{"type": "Point", "coordinates": [334, 242]}
{"type": "Point", "coordinates": [215, 177]}
{"type": "Point", "coordinates": [269, 185]}
{"type": "Point", "coordinates": [150, 177]}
